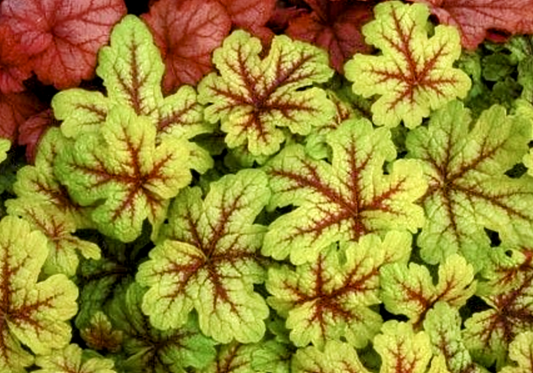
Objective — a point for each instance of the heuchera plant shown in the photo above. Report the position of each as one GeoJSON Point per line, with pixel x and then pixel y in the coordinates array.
{"type": "Point", "coordinates": [242, 186]}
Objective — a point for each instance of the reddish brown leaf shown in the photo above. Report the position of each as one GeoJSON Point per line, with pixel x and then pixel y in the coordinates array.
{"type": "Point", "coordinates": [14, 68]}
{"type": "Point", "coordinates": [476, 18]}
{"type": "Point", "coordinates": [33, 129]}
{"type": "Point", "coordinates": [62, 36]}
{"type": "Point", "coordinates": [187, 32]}
{"type": "Point", "coordinates": [15, 108]}
{"type": "Point", "coordinates": [251, 15]}
{"type": "Point", "coordinates": [335, 27]}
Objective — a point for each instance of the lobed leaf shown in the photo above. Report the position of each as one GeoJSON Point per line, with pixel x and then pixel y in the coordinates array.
{"type": "Point", "coordinates": [34, 312]}
{"type": "Point", "coordinates": [124, 174]}
{"type": "Point", "coordinates": [336, 357]}
{"type": "Point", "coordinates": [61, 37]}
{"type": "Point", "coordinates": [254, 97]}
{"type": "Point", "coordinates": [507, 291]}
{"type": "Point", "coordinates": [207, 260]}
{"type": "Point", "coordinates": [521, 351]}
{"type": "Point", "coordinates": [343, 200]}
{"type": "Point", "coordinates": [476, 18]}
{"type": "Point", "coordinates": [70, 359]}
{"type": "Point", "coordinates": [443, 325]}
{"type": "Point", "coordinates": [465, 164]}
{"type": "Point", "coordinates": [330, 298]}
{"type": "Point", "coordinates": [414, 74]}
{"type": "Point", "coordinates": [409, 290]}
{"type": "Point", "coordinates": [132, 71]}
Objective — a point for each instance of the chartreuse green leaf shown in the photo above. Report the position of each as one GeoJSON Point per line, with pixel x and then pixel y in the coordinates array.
{"type": "Point", "coordinates": [207, 260]}
{"type": "Point", "coordinates": [414, 74]}
{"type": "Point", "coordinates": [71, 360]}
{"type": "Point", "coordinates": [400, 348]}
{"type": "Point", "coordinates": [507, 291]}
{"type": "Point", "coordinates": [146, 349]}
{"type": "Point", "coordinates": [124, 174]}
{"type": "Point", "coordinates": [344, 199]}
{"type": "Point", "coordinates": [521, 351]}
{"type": "Point", "coordinates": [34, 313]}
{"type": "Point", "coordinates": [255, 99]}
{"type": "Point", "coordinates": [329, 299]}
{"type": "Point", "coordinates": [443, 325]}
{"type": "Point", "coordinates": [409, 290]}
{"type": "Point", "coordinates": [132, 69]}
{"type": "Point", "coordinates": [335, 357]}
{"type": "Point", "coordinates": [5, 144]}
{"type": "Point", "coordinates": [100, 335]}
{"type": "Point", "coordinates": [469, 192]}
{"type": "Point", "coordinates": [58, 229]}
{"type": "Point", "coordinates": [38, 187]}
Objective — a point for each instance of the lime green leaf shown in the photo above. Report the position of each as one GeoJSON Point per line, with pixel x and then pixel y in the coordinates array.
{"type": "Point", "coordinates": [124, 174]}
{"type": "Point", "coordinates": [443, 325]}
{"type": "Point", "coordinates": [233, 358]}
{"type": "Point", "coordinates": [253, 98]}
{"type": "Point", "coordinates": [343, 200]}
{"type": "Point", "coordinates": [58, 229]}
{"type": "Point", "coordinates": [132, 70]}
{"type": "Point", "coordinates": [5, 144]}
{"type": "Point", "coordinates": [149, 350]}
{"type": "Point", "coordinates": [70, 359]}
{"type": "Point", "coordinates": [208, 260]}
{"type": "Point", "coordinates": [401, 349]}
{"type": "Point", "coordinates": [34, 313]}
{"type": "Point", "coordinates": [508, 292]}
{"type": "Point", "coordinates": [329, 299]}
{"type": "Point", "coordinates": [468, 190]}
{"type": "Point", "coordinates": [415, 72]}
{"type": "Point", "coordinates": [37, 186]}
{"type": "Point", "coordinates": [336, 357]}
{"type": "Point", "coordinates": [410, 290]}
{"type": "Point", "coordinates": [521, 351]}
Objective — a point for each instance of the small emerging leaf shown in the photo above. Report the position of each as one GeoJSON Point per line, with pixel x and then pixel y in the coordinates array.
{"type": "Point", "coordinates": [415, 72]}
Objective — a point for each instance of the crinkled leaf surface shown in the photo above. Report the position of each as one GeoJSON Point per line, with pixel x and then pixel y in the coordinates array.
{"type": "Point", "coordinates": [251, 15]}
{"type": "Point", "coordinates": [14, 66]}
{"type": "Point", "coordinates": [58, 227]}
{"type": "Point", "coordinates": [508, 292]}
{"type": "Point", "coordinates": [148, 350]}
{"type": "Point", "coordinates": [474, 18]}
{"type": "Point", "coordinates": [343, 200]}
{"type": "Point", "coordinates": [443, 325]}
{"type": "Point", "coordinates": [15, 108]}
{"type": "Point", "coordinates": [187, 32]}
{"type": "Point", "coordinates": [521, 351]}
{"type": "Point", "coordinates": [37, 185]}
{"type": "Point", "coordinates": [100, 335]}
{"type": "Point", "coordinates": [70, 360]}
{"type": "Point", "coordinates": [409, 290]}
{"type": "Point", "coordinates": [334, 27]}
{"type": "Point", "coordinates": [465, 164]}
{"type": "Point", "coordinates": [132, 70]}
{"type": "Point", "coordinates": [124, 174]}
{"type": "Point", "coordinates": [5, 145]}
{"type": "Point", "coordinates": [33, 312]}
{"type": "Point", "coordinates": [329, 299]}
{"type": "Point", "coordinates": [255, 98]}
{"type": "Point", "coordinates": [335, 357]}
{"type": "Point", "coordinates": [208, 261]}
{"type": "Point", "coordinates": [414, 73]}
{"type": "Point", "coordinates": [63, 37]}
{"type": "Point", "coordinates": [33, 129]}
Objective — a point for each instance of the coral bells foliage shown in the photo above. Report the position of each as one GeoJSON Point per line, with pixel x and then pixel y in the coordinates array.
{"type": "Point", "coordinates": [307, 186]}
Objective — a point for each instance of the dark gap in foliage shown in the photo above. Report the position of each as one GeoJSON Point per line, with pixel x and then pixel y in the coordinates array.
{"type": "Point", "coordinates": [386, 315]}
{"type": "Point", "coordinates": [495, 240]}
{"type": "Point", "coordinates": [516, 171]}
{"type": "Point", "coordinates": [473, 305]}
{"type": "Point", "coordinates": [137, 7]}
